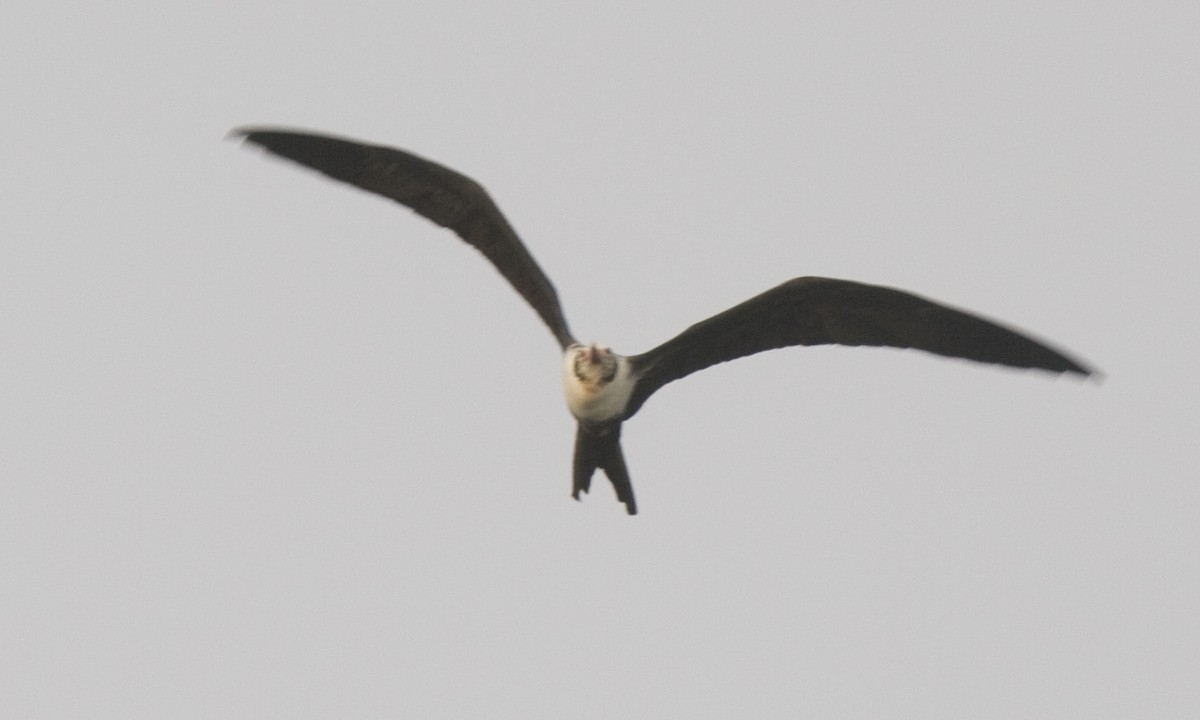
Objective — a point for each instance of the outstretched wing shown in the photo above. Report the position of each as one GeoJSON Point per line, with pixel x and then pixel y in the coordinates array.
{"type": "Point", "coordinates": [823, 311]}
{"type": "Point", "coordinates": [433, 191]}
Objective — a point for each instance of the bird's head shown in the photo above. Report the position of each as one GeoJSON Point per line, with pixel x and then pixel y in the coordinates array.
{"type": "Point", "coordinates": [594, 364]}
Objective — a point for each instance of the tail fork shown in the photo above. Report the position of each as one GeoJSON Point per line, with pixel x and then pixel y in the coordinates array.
{"type": "Point", "coordinates": [600, 447]}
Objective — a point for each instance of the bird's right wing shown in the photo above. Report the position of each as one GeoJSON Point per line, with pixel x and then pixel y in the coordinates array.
{"type": "Point", "coordinates": [433, 191]}
{"type": "Point", "coordinates": [824, 311]}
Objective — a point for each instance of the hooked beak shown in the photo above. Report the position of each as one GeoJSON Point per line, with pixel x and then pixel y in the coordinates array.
{"type": "Point", "coordinates": [593, 354]}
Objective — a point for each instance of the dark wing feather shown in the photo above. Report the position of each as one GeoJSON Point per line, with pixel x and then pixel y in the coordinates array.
{"type": "Point", "coordinates": [433, 191]}
{"type": "Point", "coordinates": [823, 311]}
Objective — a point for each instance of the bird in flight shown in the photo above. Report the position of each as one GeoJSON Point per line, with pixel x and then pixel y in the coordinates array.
{"type": "Point", "coordinates": [604, 389]}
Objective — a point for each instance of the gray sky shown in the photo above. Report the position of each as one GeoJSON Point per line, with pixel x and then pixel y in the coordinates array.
{"type": "Point", "coordinates": [272, 448]}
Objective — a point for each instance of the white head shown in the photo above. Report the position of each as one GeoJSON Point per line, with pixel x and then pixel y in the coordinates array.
{"type": "Point", "coordinates": [596, 382]}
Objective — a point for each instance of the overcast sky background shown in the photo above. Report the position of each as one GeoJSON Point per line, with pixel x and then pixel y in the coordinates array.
{"type": "Point", "coordinates": [273, 448]}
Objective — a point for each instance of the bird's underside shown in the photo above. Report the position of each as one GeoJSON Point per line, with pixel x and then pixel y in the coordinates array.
{"type": "Point", "coordinates": [605, 389]}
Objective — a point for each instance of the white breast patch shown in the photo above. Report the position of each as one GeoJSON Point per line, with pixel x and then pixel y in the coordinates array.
{"type": "Point", "coordinates": [594, 401]}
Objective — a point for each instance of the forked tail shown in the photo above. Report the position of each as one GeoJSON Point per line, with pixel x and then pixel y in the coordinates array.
{"type": "Point", "coordinates": [600, 447]}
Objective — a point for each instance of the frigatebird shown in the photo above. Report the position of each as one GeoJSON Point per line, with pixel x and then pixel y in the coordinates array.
{"type": "Point", "coordinates": [604, 389]}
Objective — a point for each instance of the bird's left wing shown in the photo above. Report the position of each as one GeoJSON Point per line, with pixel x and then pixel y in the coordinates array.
{"type": "Point", "coordinates": [433, 191]}
{"type": "Point", "coordinates": [825, 311]}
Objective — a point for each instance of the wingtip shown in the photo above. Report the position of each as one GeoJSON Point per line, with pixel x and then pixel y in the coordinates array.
{"type": "Point", "coordinates": [255, 133]}
{"type": "Point", "coordinates": [240, 133]}
{"type": "Point", "coordinates": [1078, 372]}
{"type": "Point", "coordinates": [1084, 372]}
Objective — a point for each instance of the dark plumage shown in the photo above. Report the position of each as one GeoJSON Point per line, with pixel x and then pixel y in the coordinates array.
{"type": "Point", "coordinates": [824, 311]}
{"type": "Point", "coordinates": [604, 389]}
{"type": "Point", "coordinates": [434, 192]}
